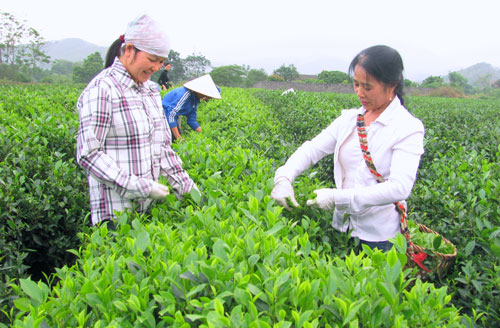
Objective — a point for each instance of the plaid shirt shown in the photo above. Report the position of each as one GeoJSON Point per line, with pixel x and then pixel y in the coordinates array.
{"type": "Point", "coordinates": [124, 143]}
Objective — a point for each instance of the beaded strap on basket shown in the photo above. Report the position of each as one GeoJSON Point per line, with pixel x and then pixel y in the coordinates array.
{"type": "Point", "coordinates": [418, 257]}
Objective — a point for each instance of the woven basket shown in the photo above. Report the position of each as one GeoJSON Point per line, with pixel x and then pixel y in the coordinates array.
{"type": "Point", "coordinates": [435, 263]}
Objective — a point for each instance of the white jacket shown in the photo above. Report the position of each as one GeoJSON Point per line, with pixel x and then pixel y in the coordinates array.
{"type": "Point", "coordinates": [395, 141]}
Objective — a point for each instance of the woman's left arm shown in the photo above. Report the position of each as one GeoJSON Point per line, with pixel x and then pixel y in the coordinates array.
{"type": "Point", "coordinates": [191, 119]}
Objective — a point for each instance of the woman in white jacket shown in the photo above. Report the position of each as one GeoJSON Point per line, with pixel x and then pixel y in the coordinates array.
{"type": "Point", "coordinates": [395, 140]}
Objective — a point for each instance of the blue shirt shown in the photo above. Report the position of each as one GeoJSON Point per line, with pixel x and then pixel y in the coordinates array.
{"type": "Point", "coordinates": [181, 101]}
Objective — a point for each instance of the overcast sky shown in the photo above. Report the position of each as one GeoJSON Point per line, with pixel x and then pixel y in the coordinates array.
{"type": "Point", "coordinates": [434, 37]}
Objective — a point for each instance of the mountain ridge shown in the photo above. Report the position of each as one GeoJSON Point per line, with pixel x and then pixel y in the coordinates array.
{"type": "Point", "coordinates": [76, 50]}
{"type": "Point", "coordinates": [72, 49]}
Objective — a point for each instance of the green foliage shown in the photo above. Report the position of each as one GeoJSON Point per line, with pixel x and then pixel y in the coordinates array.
{"type": "Point", "coordinates": [254, 76]}
{"type": "Point", "coordinates": [229, 260]}
{"type": "Point", "coordinates": [410, 83]}
{"type": "Point", "coordinates": [233, 257]}
{"type": "Point", "coordinates": [13, 73]}
{"type": "Point", "coordinates": [90, 67]}
{"type": "Point", "coordinates": [195, 65]}
{"type": "Point", "coordinates": [62, 67]}
{"type": "Point", "coordinates": [177, 72]}
{"type": "Point", "coordinates": [229, 76]}
{"type": "Point", "coordinates": [334, 77]}
{"type": "Point", "coordinates": [237, 76]}
{"type": "Point", "coordinates": [458, 190]}
{"type": "Point", "coordinates": [20, 49]}
{"type": "Point", "coordinates": [43, 201]}
{"type": "Point", "coordinates": [276, 77]}
{"type": "Point", "coordinates": [432, 82]}
{"type": "Point", "coordinates": [457, 80]}
{"type": "Point", "coordinates": [429, 241]}
{"type": "Point", "coordinates": [288, 73]}
{"type": "Point", "coordinates": [460, 82]}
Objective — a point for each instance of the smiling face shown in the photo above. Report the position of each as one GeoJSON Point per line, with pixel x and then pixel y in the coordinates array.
{"type": "Point", "coordinates": [141, 65]}
{"type": "Point", "coordinates": [373, 94]}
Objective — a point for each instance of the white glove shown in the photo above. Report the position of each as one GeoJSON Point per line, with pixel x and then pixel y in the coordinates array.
{"type": "Point", "coordinates": [282, 191]}
{"type": "Point", "coordinates": [159, 191]}
{"type": "Point", "coordinates": [196, 188]}
{"type": "Point", "coordinates": [325, 199]}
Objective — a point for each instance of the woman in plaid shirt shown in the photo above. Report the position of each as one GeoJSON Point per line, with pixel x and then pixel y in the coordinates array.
{"type": "Point", "coordinates": [124, 142]}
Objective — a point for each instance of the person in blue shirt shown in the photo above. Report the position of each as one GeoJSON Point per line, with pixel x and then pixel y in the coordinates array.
{"type": "Point", "coordinates": [185, 100]}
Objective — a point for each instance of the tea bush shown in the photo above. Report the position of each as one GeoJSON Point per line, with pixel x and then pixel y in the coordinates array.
{"type": "Point", "coordinates": [234, 258]}
{"type": "Point", "coordinates": [43, 201]}
{"type": "Point", "coordinates": [228, 260]}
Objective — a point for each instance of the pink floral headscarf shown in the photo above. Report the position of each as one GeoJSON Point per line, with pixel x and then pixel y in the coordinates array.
{"type": "Point", "coordinates": [146, 35]}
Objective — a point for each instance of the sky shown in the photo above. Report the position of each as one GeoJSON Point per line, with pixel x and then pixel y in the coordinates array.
{"type": "Point", "coordinates": [434, 37]}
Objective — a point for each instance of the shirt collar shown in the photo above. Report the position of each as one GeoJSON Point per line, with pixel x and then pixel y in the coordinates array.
{"type": "Point", "coordinates": [124, 77]}
{"type": "Point", "coordinates": [388, 114]}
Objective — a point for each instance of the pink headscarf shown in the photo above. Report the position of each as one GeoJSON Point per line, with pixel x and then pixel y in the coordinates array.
{"type": "Point", "coordinates": [146, 35]}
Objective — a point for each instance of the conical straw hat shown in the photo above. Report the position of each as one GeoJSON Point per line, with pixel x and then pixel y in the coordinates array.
{"type": "Point", "coordinates": [204, 85]}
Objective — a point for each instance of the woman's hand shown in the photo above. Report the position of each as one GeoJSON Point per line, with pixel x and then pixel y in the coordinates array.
{"type": "Point", "coordinates": [282, 192]}
{"type": "Point", "coordinates": [159, 191]}
{"type": "Point", "coordinates": [325, 199]}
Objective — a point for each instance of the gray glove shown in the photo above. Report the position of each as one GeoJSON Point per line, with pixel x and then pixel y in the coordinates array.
{"type": "Point", "coordinates": [282, 191]}
{"type": "Point", "coordinates": [159, 191]}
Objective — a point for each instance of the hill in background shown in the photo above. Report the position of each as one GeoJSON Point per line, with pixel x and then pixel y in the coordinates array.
{"type": "Point", "coordinates": [73, 50]}
{"type": "Point", "coordinates": [481, 73]}
{"type": "Point", "coordinates": [76, 50]}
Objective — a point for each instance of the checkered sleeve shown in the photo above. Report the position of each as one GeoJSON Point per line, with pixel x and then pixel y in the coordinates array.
{"type": "Point", "coordinates": [95, 156]}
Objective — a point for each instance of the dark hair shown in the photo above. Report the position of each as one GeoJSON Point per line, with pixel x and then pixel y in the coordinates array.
{"type": "Point", "coordinates": [116, 50]}
{"type": "Point", "coordinates": [384, 64]}
{"type": "Point", "coordinates": [113, 51]}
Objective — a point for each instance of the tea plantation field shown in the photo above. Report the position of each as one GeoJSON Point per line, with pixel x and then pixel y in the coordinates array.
{"type": "Point", "coordinates": [234, 258]}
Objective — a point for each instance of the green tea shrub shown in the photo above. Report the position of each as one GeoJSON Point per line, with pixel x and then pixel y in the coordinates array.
{"type": "Point", "coordinates": [233, 257]}
{"type": "Point", "coordinates": [43, 202]}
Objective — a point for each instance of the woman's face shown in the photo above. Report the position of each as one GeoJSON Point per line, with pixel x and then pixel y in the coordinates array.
{"type": "Point", "coordinates": [140, 64]}
{"type": "Point", "coordinates": [373, 94]}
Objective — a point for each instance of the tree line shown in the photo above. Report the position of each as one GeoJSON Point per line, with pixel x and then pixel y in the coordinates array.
{"type": "Point", "coordinates": [22, 59]}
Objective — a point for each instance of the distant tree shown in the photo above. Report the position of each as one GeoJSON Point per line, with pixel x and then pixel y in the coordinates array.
{"type": "Point", "coordinates": [20, 49]}
{"type": "Point", "coordinates": [32, 49]}
{"type": "Point", "coordinates": [410, 83]}
{"type": "Point", "coordinates": [276, 77]}
{"type": "Point", "coordinates": [457, 80]}
{"type": "Point", "coordinates": [484, 81]}
{"type": "Point", "coordinates": [92, 65]}
{"type": "Point", "coordinates": [177, 73]}
{"type": "Point", "coordinates": [288, 73]}
{"type": "Point", "coordinates": [11, 34]}
{"type": "Point", "coordinates": [334, 77]}
{"type": "Point", "coordinates": [62, 67]}
{"type": "Point", "coordinates": [496, 84]}
{"type": "Point", "coordinates": [432, 82]}
{"type": "Point", "coordinates": [229, 76]}
{"type": "Point", "coordinates": [195, 65]}
{"type": "Point", "coordinates": [254, 76]}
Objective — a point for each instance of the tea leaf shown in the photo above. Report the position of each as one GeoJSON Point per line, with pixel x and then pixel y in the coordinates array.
{"type": "Point", "coordinates": [32, 290]}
